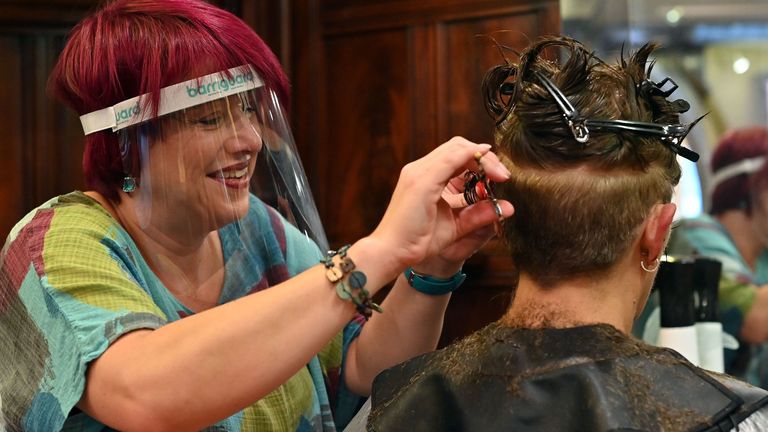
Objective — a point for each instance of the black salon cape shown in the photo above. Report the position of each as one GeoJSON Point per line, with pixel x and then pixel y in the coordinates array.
{"type": "Point", "coordinates": [591, 378]}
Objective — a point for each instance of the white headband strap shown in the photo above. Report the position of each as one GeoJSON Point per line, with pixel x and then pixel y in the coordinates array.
{"type": "Point", "coordinates": [746, 166]}
{"type": "Point", "coordinates": [172, 98]}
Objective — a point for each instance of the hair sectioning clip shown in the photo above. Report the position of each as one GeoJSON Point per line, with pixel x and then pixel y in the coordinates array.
{"type": "Point", "coordinates": [572, 117]}
{"type": "Point", "coordinates": [670, 134]}
{"type": "Point", "coordinates": [652, 88]}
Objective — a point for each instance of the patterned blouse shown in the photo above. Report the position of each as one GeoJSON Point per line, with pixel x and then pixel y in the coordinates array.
{"type": "Point", "coordinates": [72, 281]}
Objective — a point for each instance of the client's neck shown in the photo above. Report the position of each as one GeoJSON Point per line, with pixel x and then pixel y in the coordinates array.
{"type": "Point", "coordinates": [582, 301]}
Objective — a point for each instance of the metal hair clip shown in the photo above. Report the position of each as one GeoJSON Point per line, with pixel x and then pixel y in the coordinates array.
{"type": "Point", "coordinates": [670, 134]}
{"type": "Point", "coordinates": [572, 117]}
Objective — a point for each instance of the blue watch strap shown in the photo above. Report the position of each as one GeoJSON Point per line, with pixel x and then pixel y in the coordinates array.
{"type": "Point", "coordinates": [431, 285]}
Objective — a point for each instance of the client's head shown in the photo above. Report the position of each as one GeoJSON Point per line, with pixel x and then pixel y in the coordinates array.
{"type": "Point", "coordinates": [592, 149]}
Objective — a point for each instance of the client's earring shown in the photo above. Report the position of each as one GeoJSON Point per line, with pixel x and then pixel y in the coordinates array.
{"type": "Point", "coordinates": [129, 184]}
{"type": "Point", "coordinates": [653, 269]}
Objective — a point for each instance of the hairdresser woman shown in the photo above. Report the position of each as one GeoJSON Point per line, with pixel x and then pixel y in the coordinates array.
{"type": "Point", "coordinates": [190, 287]}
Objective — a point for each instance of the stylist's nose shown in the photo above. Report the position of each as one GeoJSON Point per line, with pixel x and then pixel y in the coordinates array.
{"type": "Point", "coordinates": [245, 136]}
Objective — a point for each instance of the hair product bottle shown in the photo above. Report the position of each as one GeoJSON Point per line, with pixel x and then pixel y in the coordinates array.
{"type": "Point", "coordinates": [675, 284]}
{"type": "Point", "coordinates": [709, 329]}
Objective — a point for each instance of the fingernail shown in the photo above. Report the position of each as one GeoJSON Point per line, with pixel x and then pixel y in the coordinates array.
{"type": "Point", "coordinates": [507, 173]}
{"type": "Point", "coordinates": [485, 146]}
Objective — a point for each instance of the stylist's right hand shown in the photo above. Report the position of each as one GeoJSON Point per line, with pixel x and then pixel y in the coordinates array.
{"type": "Point", "coordinates": [418, 222]}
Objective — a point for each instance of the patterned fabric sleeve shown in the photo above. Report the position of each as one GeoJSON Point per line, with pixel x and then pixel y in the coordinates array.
{"type": "Point", "coordinates": [347, 403]}
{"type": "Point", "coordinates": [342, 402]}
{"type": "Point", "coordinates": [302, 253]}
{"type": "Point", "coordinates": [68, 288]}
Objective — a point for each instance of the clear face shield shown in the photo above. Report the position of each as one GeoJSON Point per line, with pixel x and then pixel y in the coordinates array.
{"type": "Point", "coordinates": [219, 156]}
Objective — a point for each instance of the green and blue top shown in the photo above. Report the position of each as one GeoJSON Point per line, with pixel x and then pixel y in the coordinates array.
{"type": "Point", "coordinates": [72, 281]}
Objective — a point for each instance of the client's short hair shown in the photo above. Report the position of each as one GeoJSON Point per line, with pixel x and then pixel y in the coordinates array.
{"type": "Point", "coordinates": [578, 206]}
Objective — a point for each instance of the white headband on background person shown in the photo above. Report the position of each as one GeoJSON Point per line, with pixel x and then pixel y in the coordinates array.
{"type": "Point", "coordinates": [745, 166]}
{"type": "Point", "coordinates": [173, 98]}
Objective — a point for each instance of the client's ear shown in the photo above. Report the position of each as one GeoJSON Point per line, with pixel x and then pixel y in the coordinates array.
{"type": "Point", "coordinates": [656, 230]}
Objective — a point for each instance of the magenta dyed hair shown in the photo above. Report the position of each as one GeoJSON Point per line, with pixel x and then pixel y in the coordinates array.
{"type": "Point", "coordinates": [735, 146]}
{"type": "Point", "coordinates": [133, 47]}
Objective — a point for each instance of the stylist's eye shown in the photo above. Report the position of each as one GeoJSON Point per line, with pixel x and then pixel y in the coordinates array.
{"type": "Point", "coordinates": [211, 120]}
{"type": "Point", "coordinates": [248, 109]}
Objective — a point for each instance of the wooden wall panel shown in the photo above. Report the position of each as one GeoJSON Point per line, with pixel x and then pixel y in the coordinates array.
{"type": "Point", "coordinates": [52, 133]}
{"type": "Point", "coordinates": [400, 77]}
{"type": "Point", "coordinates": [365, 111]}
{"type": "Point", "coordinates": [44, 143]}
{"type": "Point", "coordinates": [11, 181]}
{"type": "Point", "coordinates": [463, 110]}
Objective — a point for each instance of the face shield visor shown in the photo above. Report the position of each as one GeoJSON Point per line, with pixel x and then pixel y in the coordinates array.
{"type": "Point", "coordinates": [217, 156]}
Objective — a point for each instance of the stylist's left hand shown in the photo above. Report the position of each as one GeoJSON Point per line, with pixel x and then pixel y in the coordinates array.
{"type": "Point", "coordinates": [419, 224]}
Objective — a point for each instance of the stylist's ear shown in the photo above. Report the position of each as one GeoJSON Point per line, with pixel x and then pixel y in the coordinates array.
{"type": "Point", "coordinates": [656, 231]}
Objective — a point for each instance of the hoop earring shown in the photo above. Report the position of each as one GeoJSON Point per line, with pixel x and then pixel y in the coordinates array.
{"type": "Point", "coordinates": [650, 270]}
{"type": "Point", "coordinates": [129, 184]}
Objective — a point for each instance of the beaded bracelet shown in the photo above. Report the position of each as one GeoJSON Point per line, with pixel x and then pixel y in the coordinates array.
{"type": "Point", "coordinates": [353, 288]}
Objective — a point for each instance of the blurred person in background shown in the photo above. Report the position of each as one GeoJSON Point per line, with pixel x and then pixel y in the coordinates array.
{"type": "Point", "coordinates": [735, 232]}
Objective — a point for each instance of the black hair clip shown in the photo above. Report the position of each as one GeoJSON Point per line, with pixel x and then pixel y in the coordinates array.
{"type": "Point", "coordinates": [572, 117]}
{"type": "Point", "coordinates": [650, 88]}
{"type": "Point", "coordinates": [670, 134]}
{"type": "Point", "coordinates": [655, 89]}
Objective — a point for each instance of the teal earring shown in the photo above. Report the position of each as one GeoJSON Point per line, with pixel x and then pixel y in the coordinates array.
{"type": "Point", "coordinates": [129, 184]}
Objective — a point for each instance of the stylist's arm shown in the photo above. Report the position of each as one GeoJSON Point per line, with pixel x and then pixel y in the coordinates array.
{"type": "Point", "coordinates": [193, 372]}
{"type": "Point", "coordinates": [421, 230]}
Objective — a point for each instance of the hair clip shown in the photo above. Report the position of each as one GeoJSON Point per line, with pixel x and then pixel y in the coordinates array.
{"type": "Point", "coordinates": [572, 117]}
{"type": "Point", "coordinates": [655, 89]}
{"type": "Point", "coordinates": [670, 134]}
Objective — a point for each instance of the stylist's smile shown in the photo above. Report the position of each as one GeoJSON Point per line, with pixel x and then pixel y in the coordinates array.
{"type": "Point", "coordinates": [233, 176]}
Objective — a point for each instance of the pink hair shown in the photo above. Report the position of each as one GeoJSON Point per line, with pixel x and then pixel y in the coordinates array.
{"type": "Point", "coordinates": [133, 47]}
{"type": "Point", "coordinates": [735, 146]}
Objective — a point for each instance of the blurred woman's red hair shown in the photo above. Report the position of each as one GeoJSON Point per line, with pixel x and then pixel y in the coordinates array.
{"type": "Point", "coordinates": [736, 193]}
{"type": "Point", "coordinates": [133, 47]}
